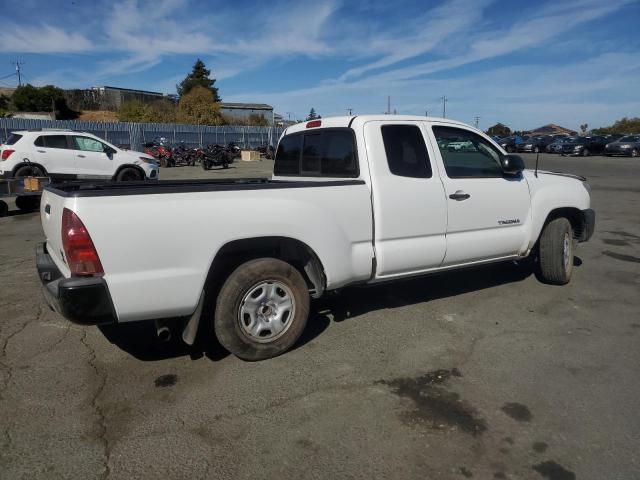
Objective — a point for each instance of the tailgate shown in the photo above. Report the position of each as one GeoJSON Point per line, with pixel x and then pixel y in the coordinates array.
{"type": "Point", "coordinates": [51, 207]}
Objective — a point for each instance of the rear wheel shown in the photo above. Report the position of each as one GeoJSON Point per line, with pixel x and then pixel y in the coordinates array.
{"type": "Point", "coordinates": [129, 175]}
{"type": "Point", "coordinates": [29, 171]}
{"type": "Point", "coordinates": [261, 309]}
{"type": "Point", "coordinates": [4, 208]}
{"type": "Point", "coordinates": [556, 252]}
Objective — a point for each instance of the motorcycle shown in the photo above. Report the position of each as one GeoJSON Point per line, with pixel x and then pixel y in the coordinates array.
{"type": "Point", "coordinates": [215, 156]}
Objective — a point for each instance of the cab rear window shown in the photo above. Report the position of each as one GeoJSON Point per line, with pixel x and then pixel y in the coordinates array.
{"type": "Point", "coordinates": [330, 152]}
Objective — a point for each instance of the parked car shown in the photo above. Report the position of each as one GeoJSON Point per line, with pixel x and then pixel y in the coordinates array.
{"type": "Point", "coordinates": [535, 144]}
{"type": "Point", "coordinates": [68, 154]}
{"type": "Point", "coordinates": [556, 145]}
{"type": "Point", "coordinates": [353, 200]}
{"type": "Point", "coordinates": [584, 146]}
{"type": "Point", "coordinates": [628, 146]}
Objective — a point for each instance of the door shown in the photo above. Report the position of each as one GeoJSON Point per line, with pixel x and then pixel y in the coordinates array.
{"type": "Point", "coordinates": [410, 211]}
{"type": "Point", "coordinates": [54, 153]}
{"type": "Point", "coordinates": [90, 158]}
{"type": "Point", "coordinates": [488, 212]}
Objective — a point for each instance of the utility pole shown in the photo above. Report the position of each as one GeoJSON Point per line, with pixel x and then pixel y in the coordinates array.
{"type": "Point", "coordinates": [477, 117]}
{"type": "Point", "coordinates": [289, 115]}
{"type": "Point", "coordinates": [350, 110]}
{"type": "Point", "coordinates": [444, 106]}
{"type": "Point", "coordinates": [426, 113]}
{"type": "Point", "coordinates": [388, 104]}
{"type": "Point", "coordinates": [17, 63]}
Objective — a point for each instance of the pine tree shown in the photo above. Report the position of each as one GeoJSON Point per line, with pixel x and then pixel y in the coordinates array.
{"type": "Point", "coordinates": [199, 76]}
{"type": "Point", "coordinates": [312, 114]}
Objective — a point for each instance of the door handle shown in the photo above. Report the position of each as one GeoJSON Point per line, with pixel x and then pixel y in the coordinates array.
{"type": "Point", "coordinates": [42, 151]}
{"type": "Point", "coordinates": [81, 156]}
{"type": "Point", "coordinates": [459, 196]}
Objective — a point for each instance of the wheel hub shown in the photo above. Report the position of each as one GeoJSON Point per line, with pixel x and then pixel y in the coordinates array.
{"type": "Point", "coordinates": [266, 311]}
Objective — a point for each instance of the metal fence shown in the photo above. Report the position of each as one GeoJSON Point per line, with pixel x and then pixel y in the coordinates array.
{"type": "Point", "coordinates": [134, 135]}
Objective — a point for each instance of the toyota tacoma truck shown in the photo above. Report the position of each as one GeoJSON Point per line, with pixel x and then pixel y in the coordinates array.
{"type": "Point", "coordinates": [352, 200]}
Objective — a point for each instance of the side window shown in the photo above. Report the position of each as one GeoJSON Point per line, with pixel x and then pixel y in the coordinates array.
{"type": "Point", "coordinates": [39, 142]}
{"type": "Point", "coordinates": [55, 141]}
{"type": "Point", "coordinates": [466, 154]}
{"type": "Point", "coordinates": [326, 153]}
{"type": "Point", "coordinates": [88, 144]}
{"type": "Point", "coordinates": [406, 151]}
{"type": "Point", "coordinates": [288, 156]}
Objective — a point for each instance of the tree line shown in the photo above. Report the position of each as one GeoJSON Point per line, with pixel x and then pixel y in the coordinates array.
{"type": "Point", "coordinates": [198, 103]}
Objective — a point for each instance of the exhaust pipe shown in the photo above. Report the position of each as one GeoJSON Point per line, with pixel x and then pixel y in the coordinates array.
{"type": "Point", "coordinates": [162, 331]}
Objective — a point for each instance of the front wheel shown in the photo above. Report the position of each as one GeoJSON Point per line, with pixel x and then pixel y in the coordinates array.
{"type": "Point", "coordinates": [586, 152]}
{"type": "Point", "coordinates": [536, 150]}
{"type": "Point", "coordinates": [261, 309]}
{"type": "Point", "coordinates": [129, 175]}
{"type": "Point", "coordinates": [556, 252]}
{"type": "Point", "coordinates": [634, 152]}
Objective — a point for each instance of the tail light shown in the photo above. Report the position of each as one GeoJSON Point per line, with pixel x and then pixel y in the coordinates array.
{"type": "Point", "coordinates": [82, 257]}
{"type": "Point", "coordinates": [314, 123]}
{"type": "Point", "coordinates": [6, 153]}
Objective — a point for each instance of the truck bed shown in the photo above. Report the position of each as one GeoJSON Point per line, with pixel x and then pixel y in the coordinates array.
{"type": "Point", "coordinates": [110, 189]}
{"type": "Point", "coordinates": [156, 249]}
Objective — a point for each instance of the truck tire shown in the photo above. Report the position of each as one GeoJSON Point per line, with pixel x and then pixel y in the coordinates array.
{"type": "Point", "coordinates": [556, 252]}
{"type": "Point", "coordinates": [129, 175]}
{"type": "Point", "coordinates": [4, 208]}
{"type": "Point", "coordinates": [261, 309]}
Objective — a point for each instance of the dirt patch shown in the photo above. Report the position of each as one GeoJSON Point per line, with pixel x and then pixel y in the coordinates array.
{"type": "Point", "coordinates": [517, 411]}
{"type": "Point", "coordinates": [434, 405]}
{"type": "Point", "coordinates": [552, 471]}
{"type": "Point", "coordinates": [166, 380]}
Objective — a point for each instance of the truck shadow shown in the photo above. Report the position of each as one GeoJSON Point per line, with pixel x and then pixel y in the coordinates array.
{"type": "Point", "coordinates": [355, 301]}
{"type": "Point", "coordinates": [139, 338]}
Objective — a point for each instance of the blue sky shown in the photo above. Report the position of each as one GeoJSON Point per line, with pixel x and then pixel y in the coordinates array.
{"type": "Point", "coordinates": [521, 63]}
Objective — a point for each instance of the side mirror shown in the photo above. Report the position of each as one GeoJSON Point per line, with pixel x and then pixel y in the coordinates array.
{"type": "Point", "coordinates": [512, 164]}
{"type": "Point", "coordinates": [108, 150]}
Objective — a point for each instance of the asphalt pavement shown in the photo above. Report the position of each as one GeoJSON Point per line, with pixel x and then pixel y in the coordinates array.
{"type": "Point", "coordinates": [481, 374]}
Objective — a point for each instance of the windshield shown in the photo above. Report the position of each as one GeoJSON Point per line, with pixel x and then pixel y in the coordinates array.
{"type": "Point", "coordinates": [628, 138]}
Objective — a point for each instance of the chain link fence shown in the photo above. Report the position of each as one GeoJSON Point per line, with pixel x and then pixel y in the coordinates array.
{"type": "Point", "coordinates": [135, 135]}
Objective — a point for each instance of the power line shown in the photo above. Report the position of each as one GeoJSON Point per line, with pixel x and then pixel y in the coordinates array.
{"type": "Point", "coordinates": [7, 76]}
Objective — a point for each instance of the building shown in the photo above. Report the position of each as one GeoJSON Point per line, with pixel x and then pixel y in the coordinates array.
{"type": "Point", "coordinates": [243, 111]}
{"type": "Point", "coordinates": [552, 129]}
{"type": "Point", "coordinates": [499, 130]}
{"type": "Point", "coordinates": [34, 115]}
{"type": "Point", "coordinates": [111, 98]}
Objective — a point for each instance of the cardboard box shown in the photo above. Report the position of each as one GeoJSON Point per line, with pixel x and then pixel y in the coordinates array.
{"type": "Point", "coordinates": [31, 184]}
{"type": "Point", "coordinates": [250, 155]}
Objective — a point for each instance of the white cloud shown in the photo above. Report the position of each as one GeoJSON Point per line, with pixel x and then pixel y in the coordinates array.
{"type": "Point", "coordinates": [41, 39]}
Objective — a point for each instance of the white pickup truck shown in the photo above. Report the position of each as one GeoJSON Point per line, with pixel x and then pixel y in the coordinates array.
{"type": "Point", "coordinates": [352, 200]}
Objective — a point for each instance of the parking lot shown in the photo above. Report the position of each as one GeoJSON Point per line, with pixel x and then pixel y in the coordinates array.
{"type": "Point", "coordinates": [473, 374]}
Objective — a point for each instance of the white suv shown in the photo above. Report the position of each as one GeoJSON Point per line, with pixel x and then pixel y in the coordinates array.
{"type": "Point", "coordinates": [67, 154]}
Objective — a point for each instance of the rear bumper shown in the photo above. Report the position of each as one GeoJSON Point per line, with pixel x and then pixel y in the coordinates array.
{"type": "Point", "coordinates": [83, 300]}
{"type": "Point", "coordinates": [589, 216]}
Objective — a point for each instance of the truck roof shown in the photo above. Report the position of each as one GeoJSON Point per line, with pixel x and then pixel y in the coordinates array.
{"type": "Point", "coordinates": [349, 120]}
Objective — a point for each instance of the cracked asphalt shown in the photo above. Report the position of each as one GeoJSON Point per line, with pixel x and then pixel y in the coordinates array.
{"type": "Point", "coordinates": [479, 374]}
